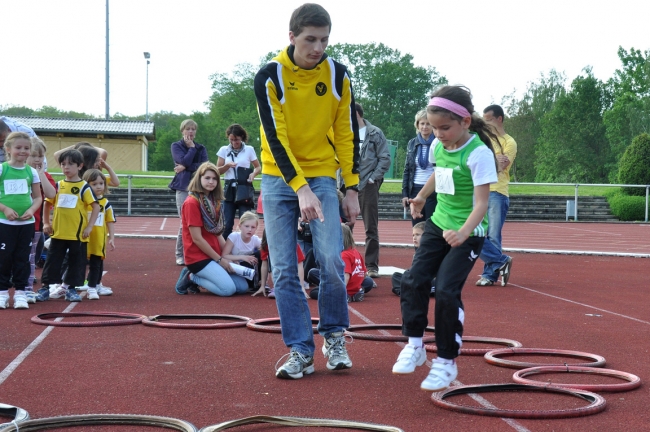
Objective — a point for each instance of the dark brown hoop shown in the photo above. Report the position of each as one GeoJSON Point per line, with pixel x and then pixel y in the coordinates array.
{"type": "Point", "coordinates": [596, 403]}
{"type": "Point", "coordinates": [352, 331]}
{"type": "Point", "coordinates": [633, 381]}
{"type": "Point", "coordinates": [124, 319]}
{"type": "Point", "coordinates": [492, 357]}
{"type": "Point", "coordinates": [262, 325]}
{"type": "Point", "coordinates": [154, 321]}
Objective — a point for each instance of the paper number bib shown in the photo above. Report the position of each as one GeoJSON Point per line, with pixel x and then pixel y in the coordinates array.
{"type": "Point", "coordinates": [444, 180]}
{"type": "Point", "coordinates": [100, 218]}
{"type": "Point", "coordinates": [67, 201]}
{"type": "Point", "coordinates": [15, 187]}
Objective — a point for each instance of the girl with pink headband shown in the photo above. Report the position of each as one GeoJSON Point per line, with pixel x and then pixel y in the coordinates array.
{"type": "Point", "coordinates": [453, 237]}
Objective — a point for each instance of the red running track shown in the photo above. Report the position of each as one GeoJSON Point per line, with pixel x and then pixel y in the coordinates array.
{"type": "Point", "coordinates": [596, 304]}
{"type": "Point", "coordinates": [608, 238]}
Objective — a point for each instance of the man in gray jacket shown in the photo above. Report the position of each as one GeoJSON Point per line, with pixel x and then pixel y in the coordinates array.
{"type": "Point", "coordinates": [373, 164]}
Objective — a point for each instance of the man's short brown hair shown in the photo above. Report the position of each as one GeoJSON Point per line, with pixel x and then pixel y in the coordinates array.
{"type": "Point", "coordinates": [309, 15]}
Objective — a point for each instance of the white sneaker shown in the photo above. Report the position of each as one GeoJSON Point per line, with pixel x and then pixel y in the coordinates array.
{"type": "Point", "coordinates": [440, 376]}
{"type": "Point", "coordinates": [57, 292]}
{"type": "Point", "coordinates": [104, 290]}
{"type": "Point", "coordinates": [31, 296]}
{"type": "Point", "coordinates": [4, 300]}
{"type": "Point", "coordinates": [83, 288]}
{"type": "Point", "coordinates": [20, 300]}
{"type": "Point", "coordinates": [410, 357]}
{"type": "Point", "coordinates": [92, 294]}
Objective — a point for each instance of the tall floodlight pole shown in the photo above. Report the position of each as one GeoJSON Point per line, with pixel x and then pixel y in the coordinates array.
{"type": "Point", "coordinates": [147, 56]}
{"type": "Point", "coordinates": [107, 76]}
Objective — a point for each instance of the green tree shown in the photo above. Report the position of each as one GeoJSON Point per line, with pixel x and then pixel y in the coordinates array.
{"type": "Point", "coordinates": [524, 117]}
{"type": "Point", "coordinates": [635, 165]}
{"type": "Point", "coordinates": [572, 146]}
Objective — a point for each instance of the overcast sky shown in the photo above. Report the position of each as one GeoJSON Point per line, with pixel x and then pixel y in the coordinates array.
{"type": "Point", "coordinates": [54, 51]}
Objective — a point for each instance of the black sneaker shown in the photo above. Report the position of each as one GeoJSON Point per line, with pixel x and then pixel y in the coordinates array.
{"type": "Point", "coordinates": [356, 297]}
{"type": "Point", "coordinates": [504, 270]}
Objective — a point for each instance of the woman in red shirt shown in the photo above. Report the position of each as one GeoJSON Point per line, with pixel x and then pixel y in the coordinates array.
{"type": "Point", "coordinates": [202, 228]}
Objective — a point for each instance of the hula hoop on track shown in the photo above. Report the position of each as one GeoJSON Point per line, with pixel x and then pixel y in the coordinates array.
{"type": "Point", "coordinates": [492, 357]}
{"type": "Point", "coordinates": [19, 415]}
{"type": "Point", "coordinates": [153, 321]}
{"type": "Point", "coordinates": [123, 319]}
{"type": "Point", "coordinates": [262, 325]}
{"type": "Point", "coordinates": [101, 419]}
{"type": "Point", "coordinates": [633, 381]}
{"type": "Point", "coordinates": [596, 402]}
{"type": "Point", "coordinates": [480, 351]}
{"type": "Point", "coordinates": [300, 421]}
{"type": "Point", "coordinates": [352, 331]}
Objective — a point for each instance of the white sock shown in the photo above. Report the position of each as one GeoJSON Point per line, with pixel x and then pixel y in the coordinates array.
{"type": "Point", "coordinates": [445, 361]}
{"type": "Point", "coordinates": [65, 286]}
{"type": "Point", "coordinates": [19, 293]}
{"type": "Point", "coordinates": [416, 341]}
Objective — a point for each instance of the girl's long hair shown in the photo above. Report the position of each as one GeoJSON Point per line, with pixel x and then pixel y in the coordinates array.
{"type": "Point", "coordinates": [196, 186]}
{"type": "Point", "coordinates": [462, 96]}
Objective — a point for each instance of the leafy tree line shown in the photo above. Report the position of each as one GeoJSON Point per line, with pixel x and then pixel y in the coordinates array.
{"type": "Point", "coordinates": [566, 132]}
{"type": "Point", "coordinates": [580, 132]}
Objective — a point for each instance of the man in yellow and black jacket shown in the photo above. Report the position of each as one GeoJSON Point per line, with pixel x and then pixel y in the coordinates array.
{"type": "Point", "coordinates": [309, 130]}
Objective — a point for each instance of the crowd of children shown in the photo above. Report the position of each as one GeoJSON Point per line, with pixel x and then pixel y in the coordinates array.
{"type": "Point", "coordinates": [81, 226]}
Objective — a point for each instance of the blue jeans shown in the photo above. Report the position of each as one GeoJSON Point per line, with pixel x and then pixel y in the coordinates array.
{"type": "Point", "coordinates": [492, 253]}
{"type": "Point", "coordinates": [218, 281]}
{"type": "Point", "coordinates": [281, 211]}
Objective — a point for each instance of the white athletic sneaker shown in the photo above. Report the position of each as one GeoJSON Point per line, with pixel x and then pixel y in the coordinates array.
{"type": "Point", "coordinates": [410, 357]}
{"type": "Point", "coordinates": [83, 288]}
{"type": "Point", "coordinates": [104, 290]}
{"type": "Point", "coordinates": [31, 296]}
{"type": "Point", "coordinates": [20, 300]}
{"type": "Point", "coordinates": [440, 376]}
{"type": "Point", "coordinates": [4, 300]}
{"type": "Point", "coordinates": [92, 294]}
{"type": "Point", "coordinates": [57, 292]}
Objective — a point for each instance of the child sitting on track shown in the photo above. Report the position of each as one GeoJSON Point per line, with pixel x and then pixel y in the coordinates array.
{"type": "Point", "coordinates": [265, 270]}
{"type": "Point", "coordinates": [357, 284]}
{"type": "Point", "coordinates": [104, 224]}
{"type": "Point", "coordinates": [20, 198]}
{"type": "Point", "coordinates": [396, 280]}
{"type": "Point", "coordinates": [71, 229]}
{"type": "Point", "coordinates": [243, 247]}
{"type": "Point", "coordinates": [453, 237]}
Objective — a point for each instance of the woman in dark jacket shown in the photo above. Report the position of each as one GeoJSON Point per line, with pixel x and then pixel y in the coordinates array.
{"type": "Point", "coordinates": [417, 168]}
{"type": "Point", "coordinates": [188, 156]}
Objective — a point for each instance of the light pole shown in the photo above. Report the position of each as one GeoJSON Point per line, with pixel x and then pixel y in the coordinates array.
{"type": "Point", "coordinates": [147, 56]}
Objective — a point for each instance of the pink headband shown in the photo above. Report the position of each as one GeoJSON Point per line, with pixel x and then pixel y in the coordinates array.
{"type": "Point", "coordinates": [450, 105]}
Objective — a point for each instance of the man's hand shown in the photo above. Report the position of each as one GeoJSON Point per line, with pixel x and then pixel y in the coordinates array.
{"type": "Point", "coordinates": [350, 206]}
{"type": "Point", "coordinates": [417, 204]}
{"type": "Point", "coordinates": [310, 205]}
{"type": "Point", "coordinates": [503, 162]}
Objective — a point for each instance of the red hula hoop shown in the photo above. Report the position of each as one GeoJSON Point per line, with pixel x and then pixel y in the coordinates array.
{"type": "Point", "coordinates": [480, 351]}
{"type": "Point", "coordinates": [633, 381]}
{"type": "Point", "coordinates": [492, 357]}
{"type": "Point", "coordinates": [352, 331]}
{"type": "Point", "coordinates": [124, 319]}
{"type": "Point", "coordinates": [152, 321]}
{"type": "Point", "coordinates": [262, 325]}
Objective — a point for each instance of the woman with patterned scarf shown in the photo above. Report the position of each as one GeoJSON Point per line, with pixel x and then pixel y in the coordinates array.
{"type": "Point", "coordinates": [202, 220]}
{"type": "Point", "coordinates": [417, 168]}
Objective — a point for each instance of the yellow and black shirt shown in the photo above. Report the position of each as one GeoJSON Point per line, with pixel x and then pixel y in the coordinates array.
{"type": "Point", "coordinates": [70, 202]}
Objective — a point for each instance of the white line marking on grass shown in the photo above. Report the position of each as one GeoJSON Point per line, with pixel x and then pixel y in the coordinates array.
{"type": "Point", "coordinates": [31, 347]}
{"type": "Point", "coordinates": [480, 399]}
{"type": "Point", "coordinates": [163, 224]}
{"type": "Point", "coordinates": [580, 304]}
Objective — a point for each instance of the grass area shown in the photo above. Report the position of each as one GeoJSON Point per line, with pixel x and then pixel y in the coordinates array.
{"type": "Point", "coordinates": [386, 187]}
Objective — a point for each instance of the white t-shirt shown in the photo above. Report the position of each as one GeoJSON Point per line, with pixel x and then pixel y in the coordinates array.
{"type": "Point", "coordinates": [243, 159]}
{"type": "Point", "coordinates": [362, 137]}
{"type": "Point", "coordinates": [241, 248]}
{"type": "Point", "coordinates": [480, 162]}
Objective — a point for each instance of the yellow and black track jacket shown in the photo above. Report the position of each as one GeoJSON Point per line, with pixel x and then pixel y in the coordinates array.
{"type": "Point", "coordinates": [309, 124]}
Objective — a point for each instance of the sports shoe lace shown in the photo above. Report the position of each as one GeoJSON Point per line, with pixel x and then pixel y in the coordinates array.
{"type": "Point", "coordinates": [295, 359]}
{"type": "Point", "coordinates": [336, 346]}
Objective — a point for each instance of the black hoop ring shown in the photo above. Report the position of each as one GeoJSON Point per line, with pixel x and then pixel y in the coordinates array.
{"type": "Point", "coordinates": [492, 357]}
{"type": "Point", "coordinates": [123, 319]}
{"type": "Point", "coordinates": [633, 381]}
{"type": "Point", "coordinates": [480, 351]}
{"type": "Point", "coordinates": [262, 325]}
{"type": "Point", "coordinates": [596, 402]}
{"type": "Point", "coordinates": [352, 331]}
{"type": "Point", "coordinates": [153, 321]}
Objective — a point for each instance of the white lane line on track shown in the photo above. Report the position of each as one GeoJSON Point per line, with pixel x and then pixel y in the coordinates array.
{"type": "Point", "coordinates": [480, 399]}
{"type": "Point", "coordinates": [580, 304]}
{"type": "Point", "coordinates": [577, 229]}
{"type": "Point", "coordinates": [31, 347]}
{"type": "Point", "coordinates": [163, 224]}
